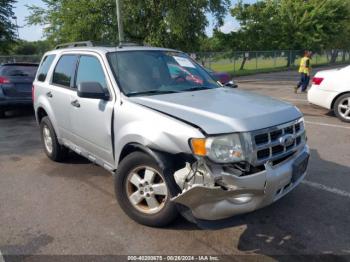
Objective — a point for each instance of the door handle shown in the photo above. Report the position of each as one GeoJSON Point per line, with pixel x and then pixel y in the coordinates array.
{"type": "Point", "coordinates": [49, 94]}
{"type": "Point", "coordinates": [75, 103]}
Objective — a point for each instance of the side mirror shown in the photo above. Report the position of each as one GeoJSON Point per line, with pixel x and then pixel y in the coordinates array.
{"type": "Point", "coordinates": [92, 90]}
{"type": "Point", "coordinates": [231, 84]}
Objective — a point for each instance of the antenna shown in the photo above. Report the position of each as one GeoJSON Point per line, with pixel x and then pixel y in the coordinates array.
{"type": "Point", "coordinates": [120, 21]}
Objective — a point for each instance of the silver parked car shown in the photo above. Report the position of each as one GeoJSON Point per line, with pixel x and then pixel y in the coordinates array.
{"type": "Point", "coordinates": [175, 142]}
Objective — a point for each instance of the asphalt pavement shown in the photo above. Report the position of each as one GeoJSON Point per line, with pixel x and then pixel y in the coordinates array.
{"type": "Point", "coordinates": [69, 208]}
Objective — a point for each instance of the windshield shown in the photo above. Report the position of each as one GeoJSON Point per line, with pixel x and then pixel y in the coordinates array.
{"type": "Point", "coordinates": [157, 72]}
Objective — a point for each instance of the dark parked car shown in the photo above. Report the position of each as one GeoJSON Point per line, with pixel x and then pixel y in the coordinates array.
{"type": "Point", "coordinates": [16, 85]}
{"type": "Point", "coordinates": [223, 78]}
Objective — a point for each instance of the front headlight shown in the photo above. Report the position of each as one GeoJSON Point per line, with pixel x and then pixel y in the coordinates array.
{"type": "Point", "coordinates": [220, 149]}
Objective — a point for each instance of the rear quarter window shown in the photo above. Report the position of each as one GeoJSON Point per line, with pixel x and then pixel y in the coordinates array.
{"type": "Point", "coordinates": [45, 67]}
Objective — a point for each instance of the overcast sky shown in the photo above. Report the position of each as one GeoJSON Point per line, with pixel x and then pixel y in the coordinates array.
{"type": "Point", "coordinates": [33, 33]}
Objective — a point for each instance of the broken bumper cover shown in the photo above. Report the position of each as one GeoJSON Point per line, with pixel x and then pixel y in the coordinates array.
{"type": "Point", "coordinates": [246, 193]}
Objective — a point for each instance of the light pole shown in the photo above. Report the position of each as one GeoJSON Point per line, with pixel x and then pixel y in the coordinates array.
{"type": "Point", "coordinates": [120, 21]}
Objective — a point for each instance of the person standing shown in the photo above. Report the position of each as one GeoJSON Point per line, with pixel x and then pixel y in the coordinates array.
{"type": "Point", "coordinates": [304, 70]}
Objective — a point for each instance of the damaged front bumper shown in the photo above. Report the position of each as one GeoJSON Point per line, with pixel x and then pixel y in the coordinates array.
{"type": "Point", "coordinates": [243, 194]}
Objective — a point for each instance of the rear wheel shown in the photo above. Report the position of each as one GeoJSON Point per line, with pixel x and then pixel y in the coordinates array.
{"type": "Point", "coordinates": [52, 148]}
{"type": "Point", "coordinates": [142, 191]}
{"type": "Point", "coordinates": [342, 108]}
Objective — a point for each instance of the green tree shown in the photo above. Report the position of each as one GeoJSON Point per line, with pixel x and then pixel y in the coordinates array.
{"type": "Point", "coordinates": [7, 27]}
{"type": "Point", "coordinates": [68, 21]}
{"type": "Point", "coordinates": [293, 24]}
{"type": "Point", "coordinates": [22, 47]}
{"type": "Point", "coordinates": [177, 24]}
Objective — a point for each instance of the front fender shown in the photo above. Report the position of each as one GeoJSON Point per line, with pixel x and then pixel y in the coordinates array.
{"type": "Point", "coordinates": [151, 129]}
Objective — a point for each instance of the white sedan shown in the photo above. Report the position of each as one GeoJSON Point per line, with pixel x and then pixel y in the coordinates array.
{"type": "Point", "coordinates": [331, 89]}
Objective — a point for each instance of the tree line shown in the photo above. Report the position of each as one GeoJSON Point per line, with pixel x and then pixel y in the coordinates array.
{"type": "Point", "coordinates": [287, 25]}
{"type": "Point", "coordinates": [264, 25]}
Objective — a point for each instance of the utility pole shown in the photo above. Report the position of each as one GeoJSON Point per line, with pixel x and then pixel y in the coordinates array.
{"type": "Point", "coordinates": [15, 18]}
{"type": "Point", "coordinates": [120, 21]}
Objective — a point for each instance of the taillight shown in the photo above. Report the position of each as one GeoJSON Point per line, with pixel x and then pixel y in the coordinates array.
{"type": "Point", "coordinates": [4, 80]}
{"type": "Point", "coordinates": [33, 93]}
{"type": "Point", "coordinates": [317, 80]}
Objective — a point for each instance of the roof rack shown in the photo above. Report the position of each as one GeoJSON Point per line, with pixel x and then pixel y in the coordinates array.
{"type": "Point", "coordinates": [75, 44]}
{"type": "Point", "coordinates": [122, 44]}
{"type": "Point", "coordinates": [91, 43]}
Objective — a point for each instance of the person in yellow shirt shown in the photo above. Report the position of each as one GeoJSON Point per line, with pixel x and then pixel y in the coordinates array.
{"type": "Point", "coordinates": [304, 70]}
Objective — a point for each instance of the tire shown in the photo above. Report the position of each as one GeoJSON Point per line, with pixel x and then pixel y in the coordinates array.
{"type": "Point", "coordinates": [342, 108]}
{"type": "Point", "coordinates": [56, 152]}
{"type": "Point", "coordinates": [141, 211]}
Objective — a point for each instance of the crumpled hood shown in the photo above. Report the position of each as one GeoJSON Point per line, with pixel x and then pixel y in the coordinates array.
{"type": "Point", "coordinates": [222, 110]}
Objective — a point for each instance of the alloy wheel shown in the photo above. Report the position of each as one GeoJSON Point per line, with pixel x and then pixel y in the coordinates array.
{"type": "Point", "coordinates": [47, 139]}
{"type": "Point", "coordinates": [146, 190]}
{"type": "Point", "coordinates": [344, 108]}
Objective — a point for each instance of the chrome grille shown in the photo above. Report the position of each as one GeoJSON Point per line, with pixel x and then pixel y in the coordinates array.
{"type": "Point", "coordinates": [267, 145]}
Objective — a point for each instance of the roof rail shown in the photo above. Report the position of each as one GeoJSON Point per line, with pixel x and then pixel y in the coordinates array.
{"type": "Point", "coordinates": [91, 43]}
{"type": "Point", "coordinates": [122, 44]}
{"type": "Point", "coordinates": [75, 44]}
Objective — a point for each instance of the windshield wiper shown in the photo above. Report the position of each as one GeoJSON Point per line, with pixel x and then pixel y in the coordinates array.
{"type": "Point", "coordinates": [152, 92]}
{"type": "Point", "coordinates": [196, 88]}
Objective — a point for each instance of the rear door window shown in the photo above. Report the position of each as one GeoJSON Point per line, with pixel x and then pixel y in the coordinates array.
{"type": "Point", "coordinates": [45, 67]}
{"type": "Point", "coordinates": [90, 70]}
{"type": "Point", "coordinates": [65, 70]}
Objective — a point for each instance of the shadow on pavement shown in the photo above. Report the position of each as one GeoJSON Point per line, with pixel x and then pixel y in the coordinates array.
{"type": "Point", "coordinates": [19, 112]}
{"type": "Point", "coordinates": [31, 247]}
{"type": "Point", "coordinates": [74, 158]}
{"type": "Point", "coordinates": [306, 221]}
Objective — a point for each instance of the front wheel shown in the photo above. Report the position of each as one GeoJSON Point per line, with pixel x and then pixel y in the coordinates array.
{"type": "Point", "coordinates": [142, 191]}
{"type": "Point", "coordinates": [342, 108]}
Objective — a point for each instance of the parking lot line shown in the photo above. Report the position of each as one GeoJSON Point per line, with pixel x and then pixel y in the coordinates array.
{"type": "Point", "coordinates": [295, 99]}
{"type": "Point", "coordinates": [326, 188]}
{"type": "Point", "coordinates": [324, 124]}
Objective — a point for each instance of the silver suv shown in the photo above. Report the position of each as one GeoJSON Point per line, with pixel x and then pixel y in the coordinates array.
{"type": "Point", "coordinates": [175, 140]}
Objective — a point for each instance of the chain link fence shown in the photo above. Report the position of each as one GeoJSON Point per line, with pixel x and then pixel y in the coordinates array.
{"type": "Point", "coordinates": [264, 61]}
{"type": "Point", "coordinates": [239, 63]}
{"type": "Point", "coordinates": [20, 59]}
